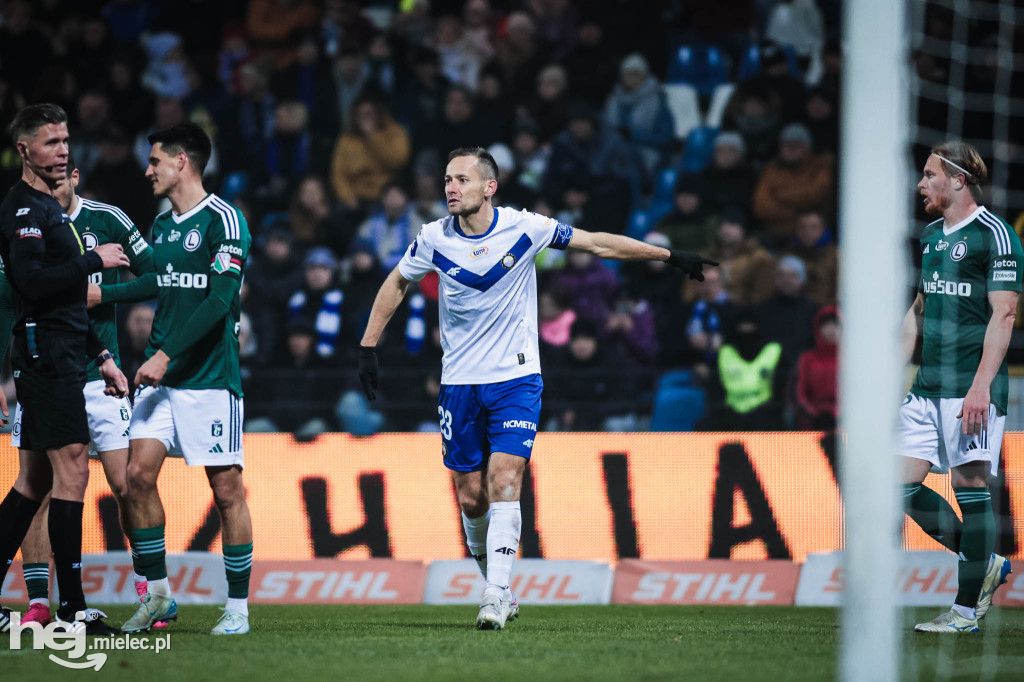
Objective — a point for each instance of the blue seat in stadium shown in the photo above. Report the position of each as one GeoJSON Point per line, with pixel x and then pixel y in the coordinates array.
{"type": "Point", "coordinates": [678, 404]}
{"type": "Point", "coordinates": [637, 227]}
{"type": "Point", "coordinates": [750, 63]}
{"type": "Point", "coordinates": [666, 184]}
{"type": "Point", "coordinates": [233, 185]}
{"type": "Point", "coordinates": [658, 209]}
{"type": "Point", "coordinates": [702, 66]}
{"type": "Point", "coordinates": [700, 146]}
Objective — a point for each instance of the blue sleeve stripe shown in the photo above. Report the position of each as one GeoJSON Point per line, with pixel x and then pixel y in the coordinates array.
{"type": "Point", "coordinates": [488, 279]}
{"type": "Point", "coordinates": [563, 235]}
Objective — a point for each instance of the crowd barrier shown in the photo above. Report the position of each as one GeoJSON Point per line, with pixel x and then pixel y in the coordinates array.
{"type": "Point", "coordinates": [607, 517]}
{"type": "Point", "coordinates": [925, 579]}
{"type": "Point", "coordinates": [589, 496]}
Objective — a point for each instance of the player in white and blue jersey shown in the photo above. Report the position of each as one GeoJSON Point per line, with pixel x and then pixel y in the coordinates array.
{"type": "Point", "coordinates": [489, 403]}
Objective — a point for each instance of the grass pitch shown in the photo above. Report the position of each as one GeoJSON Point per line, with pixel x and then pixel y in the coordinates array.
{"type": "Point", "coordinates": [546, 643]}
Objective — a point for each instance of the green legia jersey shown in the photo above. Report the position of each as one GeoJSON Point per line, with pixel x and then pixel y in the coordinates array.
{"type": "Point", "coordinates": [210, 240]}
{"type": "Point", "coordinates": [98, 223]}
{"type": "Point", "coordinates": [959, 266]}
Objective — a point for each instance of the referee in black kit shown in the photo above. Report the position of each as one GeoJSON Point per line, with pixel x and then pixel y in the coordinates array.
{"type": "Point", "coordinates": [48, 269]}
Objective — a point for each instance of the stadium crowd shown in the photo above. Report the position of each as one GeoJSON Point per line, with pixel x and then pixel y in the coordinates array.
{"type": "Point", "coordinates": [703, 126]}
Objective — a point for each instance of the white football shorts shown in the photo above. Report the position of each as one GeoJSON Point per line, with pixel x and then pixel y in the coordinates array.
{"type": "Point", "coordinates": [109, 418]}
{"type": "Point", "coordinates": [202, 425]}
{"type": "Point", "coordinates": [930, 430]}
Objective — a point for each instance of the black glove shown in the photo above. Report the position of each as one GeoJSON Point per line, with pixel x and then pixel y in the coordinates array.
{"type": "Point", "coordinates": [368, 368]}
{"type": "Point", "coordinates": [690, 263]}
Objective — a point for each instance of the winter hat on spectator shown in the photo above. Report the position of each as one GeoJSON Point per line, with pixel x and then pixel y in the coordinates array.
{"type": "Point", "coordinates": [795, 132]}
{"type": "Point", "coordinates": [656, 238]}
{"type": "Point", "coordinates": [320, 256]}
{"type": "Point", "coordinates": [731, 139]}
{"type": "Point", "coordinates": [502, 156]}
{"type": "Point", "coordinates": [582, 110]}
{"type": "Point", "coordinates": [794, 264]}
{"type": "Point", "coordinates": [635, 62]}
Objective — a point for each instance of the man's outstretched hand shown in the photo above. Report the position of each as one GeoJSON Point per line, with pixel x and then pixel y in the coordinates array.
{"type": "Point", "coordinates": [690, 263]}
{"type": "Point", "coordinates": [368, 369]}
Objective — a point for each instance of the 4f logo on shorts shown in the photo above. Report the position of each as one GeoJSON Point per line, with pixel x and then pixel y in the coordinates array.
{"type": "Point", "coordinates": [216, 429]}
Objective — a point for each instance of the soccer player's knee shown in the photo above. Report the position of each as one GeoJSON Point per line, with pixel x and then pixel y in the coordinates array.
{"type": "Point", "coordinates": [473, 506]}
{"type": "Point", "coordinates": [228, 493]}
{"type": "Point", "coordinates": [139, 479]}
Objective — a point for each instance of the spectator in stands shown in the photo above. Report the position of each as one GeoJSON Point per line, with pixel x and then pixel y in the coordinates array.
{"type": "Point", "coordinates": [703, 326]}
{"type": "Point", "coordinates": [458, 124]}
{"type": "Point", "coordinates": [518, 54]}
{"type": "Point", "coordinates": [492, 102]}
{"type": "Point", "coordinates": [755, 112]}
{"type": "Point", "coordinates": [591, 66]}
{"type": "Point", "coordinates": [556, 318]}
{"type": "Point", "coordinates": [371, 152]}
{"type": "Point", "coordinates": [24, 49]}
{"type": "Point", "coordinates": [631, 328]}
{"type": "Point", "coordinates": [556, 22]}
{"type": "Point", "coordinates": [312, 219]}
{"type": "Point", "coordinates": [391, 227]}
{"type": "Point", "coordinates": [728, 181]}
{"type": "Point", "coordinates": [691, 224]}
{"type": "Point", "coordinates": [821, 116]}
{"type": "Point", "coordinates": [549, 104]}
{"type": "Point", "coordinates": [93, 119]}
{"type": "Point", "coordinates": [460, 62]}
{"type": "Point", "coordinates": [661, 287]}
{"type": "Point", "coordinates": [298, 398]}
{"type": "Point", "coordinates": [319, 299]}
{"type": "Point", "coordinates": [478, 24]}
{"type": "Point", "coordinates": [344, 24]}
{"type": "Point", "coordinates": [797, 180]}
{"type": "Point", "coordinates": [361, 283]}
{"type": "Point", "coordinates": [788, 316]}
{"type": "Point", "coordinates": [593, 287]}
{"type": "Point", "coordinates": [586, 383]}
{"type": "Point", "coordinates": [817, 394]}
{"type": "Point", "coordinates": [131, 107]}
{"type": "Point", "coordinates": [775, 77]}
{"type": "Point", "coordinates": [428, 200]}
{"type": "Point", "coordinates": [288, 151]}
{"type": "Point", "coordinates": [420, 100]}
{"type": "Point", "coordinates": [813, 244]}
{"type": "Point", "coordinates": [798, 23]}
{"type": "Point", "coordinates": [309, 80]}
{"type": "Point", "coordinates": [115, 178]}
{"type": "Point", "coordinates": [637, 109]}
{"type": "Point", "coordinates": [584, 153]}
{"type": "Point", "coordinates": [271, 22]}
{"type": "Point", "coordinates": [274, 272]}
{"type": "Point", "coordinates": [748, 267]}
{"type": "Point", "coordinates": [531, 158]}
{"type": "Point", "coordinates": [166, 74]}
{"type": "Point", "coordinates": [250, 123]}
{"type": "Point", "coordinates": [745, 395]}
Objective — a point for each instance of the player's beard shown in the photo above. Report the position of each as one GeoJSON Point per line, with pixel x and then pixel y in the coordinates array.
{"type": "Point", "coordinates": [936, 206]}
{"type": "Point", "coordinates": [467, 210]}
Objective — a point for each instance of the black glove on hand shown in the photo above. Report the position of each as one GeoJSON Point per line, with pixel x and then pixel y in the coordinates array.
{"type": "Point", "coordinates": [690, 263]}
{"type": "Point", "coordinates": [368, 368]}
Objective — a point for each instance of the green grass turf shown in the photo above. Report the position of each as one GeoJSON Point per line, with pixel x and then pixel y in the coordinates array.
{"type": "Point", "coordinates": [547, 643]}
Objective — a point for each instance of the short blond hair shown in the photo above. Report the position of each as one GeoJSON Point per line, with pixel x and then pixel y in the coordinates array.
{"type": "Point", "coordinates": [962, 158]}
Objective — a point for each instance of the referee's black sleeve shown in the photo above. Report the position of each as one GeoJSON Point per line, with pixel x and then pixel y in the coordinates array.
{"type": "Point", "coordinates": [35, 278]}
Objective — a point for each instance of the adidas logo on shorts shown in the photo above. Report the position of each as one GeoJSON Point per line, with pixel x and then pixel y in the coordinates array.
{"type": "Point", "coordinates": [216, 448]}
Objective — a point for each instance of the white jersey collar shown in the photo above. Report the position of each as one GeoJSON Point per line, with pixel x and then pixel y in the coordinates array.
{"type": "Point", "coordinates": [192, 211]}
{"type": "Point", "coordinates": [78, 209]}
{"type": "Point", "coordinates": [950, 229]}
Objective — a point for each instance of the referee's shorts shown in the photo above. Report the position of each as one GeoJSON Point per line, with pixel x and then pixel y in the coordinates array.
{"type": "Point", "coordinates": [51, 389]}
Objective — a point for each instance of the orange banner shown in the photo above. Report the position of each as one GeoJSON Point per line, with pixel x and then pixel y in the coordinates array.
{"type": "Point", "coordinates": [606, 496]}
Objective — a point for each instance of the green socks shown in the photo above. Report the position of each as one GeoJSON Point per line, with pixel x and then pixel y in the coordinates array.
{"type": "Point", "coordinates": [976, 544]}
{"type": "Point", "coordinates": [238, 567]}
{"type": "Point", "coordinates": [936, 517]}
{"type": "Point", "coordinates": [37, 580]}
{"type": "Point", "coordinates": [148, 544]}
